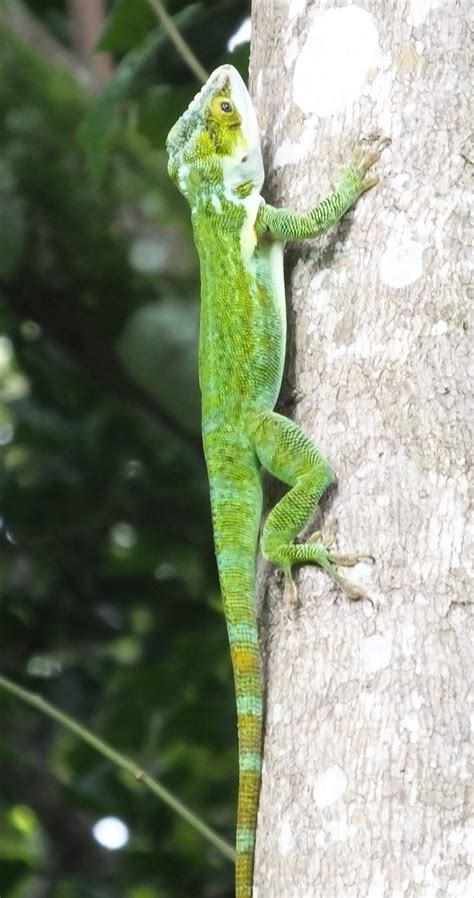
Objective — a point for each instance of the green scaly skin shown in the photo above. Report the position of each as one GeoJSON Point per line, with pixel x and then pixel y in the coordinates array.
{"type": "Point", "coordinates": [215, 160]}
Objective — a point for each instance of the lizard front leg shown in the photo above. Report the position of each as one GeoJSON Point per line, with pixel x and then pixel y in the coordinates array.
{"type": "Point", "coordinates": [283, 224]}
{"type": "Point", "coordinates": [287, 453]}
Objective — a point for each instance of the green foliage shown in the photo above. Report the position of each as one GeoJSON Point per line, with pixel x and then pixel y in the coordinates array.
{"type": "Point", "coordinates": [128, 25]}
{"type": "Point", "coordinates": [12, 224]}
{"type": "Point", "coordinates": [104, 122]}
{"type": "Point", "coordinates": [108, 591]}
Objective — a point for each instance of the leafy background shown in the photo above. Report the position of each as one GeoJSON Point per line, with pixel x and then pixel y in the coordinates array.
{"type": "Point", "coordinates": [109, 602]}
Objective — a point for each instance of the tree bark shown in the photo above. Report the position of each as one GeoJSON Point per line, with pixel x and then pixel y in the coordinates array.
{"type": "Point", "coordinates": [365, 787]}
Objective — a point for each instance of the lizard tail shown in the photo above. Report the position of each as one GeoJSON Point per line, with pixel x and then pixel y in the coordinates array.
{"type": "Point", "coordinates": [243, 640]}
{"type": "Point", "coordinates": [236, 499]}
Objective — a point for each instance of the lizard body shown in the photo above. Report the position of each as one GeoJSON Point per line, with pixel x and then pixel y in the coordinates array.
{"type": "Point", "coordinates": [216, 162]}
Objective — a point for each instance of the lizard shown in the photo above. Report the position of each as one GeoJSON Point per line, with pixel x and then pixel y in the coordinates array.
{"type": "Point", "coordinates": [215, 160]}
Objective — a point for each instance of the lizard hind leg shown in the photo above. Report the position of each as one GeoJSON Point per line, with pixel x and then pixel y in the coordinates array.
{"type": "Point", "coordinates": [287, 453]}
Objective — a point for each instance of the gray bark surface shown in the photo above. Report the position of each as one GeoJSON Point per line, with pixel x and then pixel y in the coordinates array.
{"type": "Point", "coordinates": [366, 783]}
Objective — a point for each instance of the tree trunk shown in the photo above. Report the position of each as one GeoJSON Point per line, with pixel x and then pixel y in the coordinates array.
{"type": "Point", "coordinates": [365, 784]}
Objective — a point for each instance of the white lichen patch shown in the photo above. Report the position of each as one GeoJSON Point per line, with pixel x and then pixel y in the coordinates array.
{"type": "Point", "coordinates": [417, 701]}
{"type": "Point", "coordinates": [291, 52]}
{"type": "Point", "coordinates": [329, 787]}
{"type": "Point", "coordinates": [377, 886]}
{"type": "Point", "coordinates": [286, 839]}
{"type": "Point", "coordinates": [395, 350]}
{"type": "Point", "coordinates": [445, 528]}
{"type": "Point", "coordinates": [340, 830]}
{"type": "Point", "coordinates": [439, 328]}
{"type": "Point", "coordinates": [289, 153]}
{"type": "Point", "coordinates": [419, 10]}
{"type": "Point", "coordinates": [402, 263]}
{"type": "Point", "coordinates": [411, 723]}
{"type": "Point", "coordinates": [276, 713]}
{"type": "Point", "coordinates": [341, 49]}
{"type": "Point", "coordinates": [463, 888]}
{"type": "Point", "coordinates": [321, 839]}
{"type": "Point", "coordinates": [409, 644]}
{"type": "Point", "coordinates": [295, 8]}
{"type": "Point", "coordinates": [462, 838]}
{"type": "Point", "coordinates": [376, 653]}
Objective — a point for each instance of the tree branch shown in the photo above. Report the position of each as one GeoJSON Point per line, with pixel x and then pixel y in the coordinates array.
{"type": "Point", "coordinates": [177, 39]}
{"type": "Point", "coordinates": [120, 760]}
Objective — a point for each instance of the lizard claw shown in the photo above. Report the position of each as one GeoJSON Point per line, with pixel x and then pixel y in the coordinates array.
{"type": "Point", "coordinates": [364, 160]}
{"type": "Point", "coordinates": [352, 591]}
{"type": "Point", "coordinates": [327, 540]}
{"type": "Point", "coordinates": [329, 562]}
{"type": "Point", "coordinates": [352, 559]}
{"type": "Point", "coordinates": [290, 594]}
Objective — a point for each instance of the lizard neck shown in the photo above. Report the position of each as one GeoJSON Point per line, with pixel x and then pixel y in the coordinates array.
{"type": "Point", "coordinates": [230, 178]}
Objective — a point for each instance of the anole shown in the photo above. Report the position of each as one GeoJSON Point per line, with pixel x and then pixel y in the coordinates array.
{"type": "Point", "coordinates": [215, 160]}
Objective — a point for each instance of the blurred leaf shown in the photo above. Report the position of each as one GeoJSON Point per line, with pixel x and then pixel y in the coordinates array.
{"type": "Point", "coordinates": [103, 123]}
{"type": "Point", "coordinates": [23, 819]}
{"type": "Point", "coordinates": [159, 108]}
{"type": "Point", "coordinates": [159, 347]}
{"type": "Point", "coordinates": [12, 873]}
{"type": "Point", "coordinates": [12, 224]}
{"type": "Point", "coordinates": [128, 25]}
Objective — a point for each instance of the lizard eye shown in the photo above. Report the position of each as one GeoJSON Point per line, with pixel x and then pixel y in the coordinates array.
{"type": "Point", "coordinates": [222, 110]}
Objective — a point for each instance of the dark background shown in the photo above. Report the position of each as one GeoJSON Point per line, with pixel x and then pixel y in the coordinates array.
{"type": "Point", "coordinates": [109, 602]}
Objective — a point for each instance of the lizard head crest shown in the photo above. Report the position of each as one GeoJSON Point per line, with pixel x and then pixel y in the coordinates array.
{"type": "Point", "coordinates": [215, 144]}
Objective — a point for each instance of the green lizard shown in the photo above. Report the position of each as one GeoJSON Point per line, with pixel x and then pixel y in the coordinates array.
{"type": "Point", "coordinates": [216, 162]}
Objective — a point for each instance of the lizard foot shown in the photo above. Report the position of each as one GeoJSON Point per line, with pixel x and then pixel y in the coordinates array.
{"type": "Point", "coordinates": [329, 561]}
{"type": "Point", "coordinates": [318, 551]}
{"type": "Point", "coordinates": [364, 160]}
{"type": "Point", "coordinates": [351, 590]}
{"type": "Point", "coordinates": [327, 541]}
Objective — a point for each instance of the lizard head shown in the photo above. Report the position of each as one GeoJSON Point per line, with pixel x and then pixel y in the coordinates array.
{"type": "Point", "coordinates": [215, 144]}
